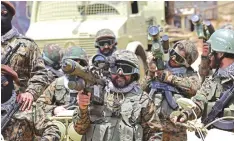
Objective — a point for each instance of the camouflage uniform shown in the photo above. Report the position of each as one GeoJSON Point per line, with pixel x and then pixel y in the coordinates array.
{"type": "Point", "coordinates": [104, 34]}
{"type": "Point", "coordinates": [119, 114]}
{"type": "Point", "coordinates": [184, 83]}
{"type": "Point", "coordinates": [215, 86]}
{"type": "Point", "coordinates": [58, 93]}
{"type": "Point", "coordinates": [26, 62]}
{"type": "Point", "coordinates": [29, 125]}
{"type": "Point", "coordinates": [33, 78]}
{"type": "Point", "coordinates": [52, 55]}
{"type": "Point", "coordinates": [204, 69]}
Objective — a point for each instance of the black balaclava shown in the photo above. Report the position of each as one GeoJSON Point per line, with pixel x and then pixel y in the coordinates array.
{"type": "Point", "coordinates": [5, 20]}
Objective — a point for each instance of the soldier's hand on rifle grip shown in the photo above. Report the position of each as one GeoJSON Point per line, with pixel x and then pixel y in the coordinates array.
{"type": "Point", "coordinates": [177, 116]}
{"type": "Point", "coordinates": [25, 99]}
{"type": "Point", "coordinates": [164, 76]}
{"type": "Point", "coordinates": [83, 100]}
{"type": "Point", "coordinates": [205, 49]}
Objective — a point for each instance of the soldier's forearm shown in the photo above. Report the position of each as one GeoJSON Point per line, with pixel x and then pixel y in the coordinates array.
{"type": "Point", "coordinates": [190, 85]}
{"type": "Point", "coordinates": [38, 83]}
{"type": "Point", "coordinates": [204, 69]}
{"type": "Point", "coordinates": [81, 121]}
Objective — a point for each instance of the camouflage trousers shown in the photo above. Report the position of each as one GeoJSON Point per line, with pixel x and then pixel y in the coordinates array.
{"type": "Point", "coordinates": [165, 130]}
{"type": "Point", "coordinates": [18, 130]}
{"type": "Point", "coordinates": [181, 136]}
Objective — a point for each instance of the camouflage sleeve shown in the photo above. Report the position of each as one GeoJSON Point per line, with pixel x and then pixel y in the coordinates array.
{"type": "Point", "coordinates": [38, 74]}
{"type": "Point", "coordinates": [44, 127]}
{"type": "Point", "coordinates": [201, 97]}
{"type": "Point", "coordinates": [45, 101]}
{"type": "Point", "coordinates": [204, 69]}
{"type": "Point", "coordinates": [188, 84]}
{"type": "Point", "coordinates": [81, 120]}
{"type": "Point", "coordinates": [147, 113]}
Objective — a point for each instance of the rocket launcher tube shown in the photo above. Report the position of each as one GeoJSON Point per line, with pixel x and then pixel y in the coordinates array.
{"type": "Point", "coordinates": [72, 68]}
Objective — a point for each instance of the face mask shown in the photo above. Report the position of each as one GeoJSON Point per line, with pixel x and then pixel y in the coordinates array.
{"type": "Point", "coordinates": [5, 20]}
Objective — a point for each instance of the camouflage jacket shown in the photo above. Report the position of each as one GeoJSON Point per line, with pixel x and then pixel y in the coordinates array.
{"type": "Point", "coordinates": [120, 117]}
{"type": "Point", "coordinates": [26, 62]}
{"type": "Point", "coordinates": [211, 91]}
{"type": "Point", "coordinates": [26, 125]}
{"type": "Point", "coordinates": [184, 84]}
{"type": "Point", "coordinates": [56, 94]}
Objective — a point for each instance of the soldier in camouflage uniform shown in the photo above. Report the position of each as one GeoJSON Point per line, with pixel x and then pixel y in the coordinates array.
{"type": "Point", "coordinates": [204, 69]}
{"type": "Point", "coordinates": [57, 95]}
{"type": "Point", "coordinates": [30, 69]}
{"type": "Point", "coordinates": [217, 90]}
{"type": "Point", "coordinates": [122, 109]}
{"type": "Point", "coordinates": [52, 55]}
{"type": "Point", "coordinates": [165, 86]}
{"type": "Point", "coordinates": [106, 42]}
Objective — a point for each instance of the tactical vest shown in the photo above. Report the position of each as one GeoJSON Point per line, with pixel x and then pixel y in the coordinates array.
{"type": "Point", "coordinates": [217, 87]}
{"type": "Point", "coordinates": [62, 94]}
{"type": "Point", "coordinates": [116, 119]}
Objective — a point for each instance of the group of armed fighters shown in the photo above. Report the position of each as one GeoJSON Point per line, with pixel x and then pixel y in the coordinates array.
{"type": "Point", "coordinates": [113, 106]}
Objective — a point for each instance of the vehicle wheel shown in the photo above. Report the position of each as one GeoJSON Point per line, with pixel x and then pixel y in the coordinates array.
{"type": "Point", "coordinates": [142, 69]}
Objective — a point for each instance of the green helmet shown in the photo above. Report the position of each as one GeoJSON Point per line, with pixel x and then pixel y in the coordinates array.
{"type": "Point", "coordinates": [52, 54]}
{"type": "Point", "coordinates": [76, 52]}
{"type": "Point", "coordinates": [129, 57]}
{"type": "Point", "coordinates": [191, 52]}
{"type": "Point", "coordinates": [222, 40]}
{"type": "Point", "coordinates": [105, 33]}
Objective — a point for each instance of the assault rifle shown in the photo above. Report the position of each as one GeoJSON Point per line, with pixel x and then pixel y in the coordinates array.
{"type": "Point", "coordinates": [218, 108]}
{"type": "Point", "coordinates": [8, 90]}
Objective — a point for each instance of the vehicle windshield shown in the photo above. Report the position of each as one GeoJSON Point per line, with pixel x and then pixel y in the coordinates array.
{"type": "Point", "coordinates": [60, 10]}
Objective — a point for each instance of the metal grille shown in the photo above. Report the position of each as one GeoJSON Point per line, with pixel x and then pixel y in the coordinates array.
{"type": "Point", "coordinates": [49, 11]}
{"type": "Point", "coordinates": [100, 9]}
{"type": "Point", "coordinates": [86, 43]}
{"type": "Point", "coordinates": [58, 10]}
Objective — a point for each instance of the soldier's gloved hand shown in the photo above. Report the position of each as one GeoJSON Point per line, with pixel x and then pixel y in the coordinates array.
{"type": "Point", "coordinates": [205, 49]}
{"type": "Point", "coordinates": [178, 116]}
{"type": "Point", "coordinates": [59, 109]}
{"type": "Point", "coordinates": [83, 99]}
{"type": "Point", "coordinates": [164, 76]}
{"type": "Point", "coordinates": [25, 99]}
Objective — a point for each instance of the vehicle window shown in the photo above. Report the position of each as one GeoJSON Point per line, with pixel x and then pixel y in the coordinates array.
{"type": "Point", "coordinates": [134, 6]}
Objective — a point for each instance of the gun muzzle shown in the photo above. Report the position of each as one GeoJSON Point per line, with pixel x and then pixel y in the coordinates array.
{"type": "Point", "coordinates": [165, 44]}
{"type": "Point", "coordinates": [209, 27]}
{"type": "Point", "coordinates": [196, 19]}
